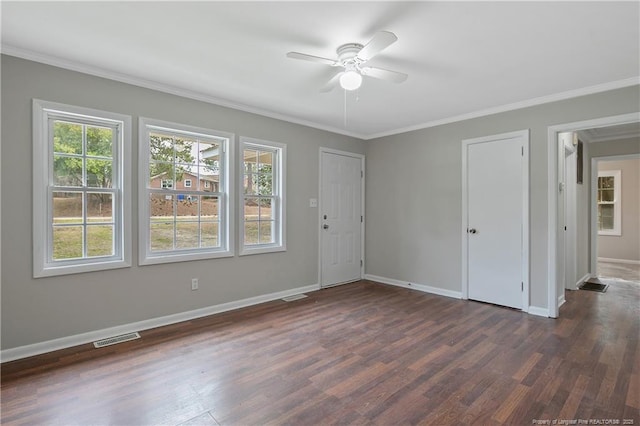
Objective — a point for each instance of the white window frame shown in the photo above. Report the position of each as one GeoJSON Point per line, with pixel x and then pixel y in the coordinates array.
{"type": "Point", "coordinates": [207, 184]}
{"type": "Point", "coordinates": [617, 208]}
{"type": "Point", "coordinates": [43, 186]}
{"type": "Point", "coordinates": [187, 183]}
{"type": "Point", "coordinates": [226, 200]}
{"type": "Point", "coordinates": [166, 183]}
{"type": "Point", "coordinates": [279, 196]}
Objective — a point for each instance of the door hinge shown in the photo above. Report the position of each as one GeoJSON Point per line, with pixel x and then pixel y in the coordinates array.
{"type": "Point", "coordinates": [361, 219]}
{"type": "Point", "coordinates": [522, 286]}
{"type": "Point", "coordinates": [361, 173]}
{"type": "Point", "coordinates": [522, 150]}
{"type": "Point", "coordinates": [361, 263]}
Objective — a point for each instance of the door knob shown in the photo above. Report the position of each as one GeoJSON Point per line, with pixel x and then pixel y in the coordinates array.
{"type": "Point", "coordinates": [472, 231]}
{"type": "Point", "coordinates": [325, 226]}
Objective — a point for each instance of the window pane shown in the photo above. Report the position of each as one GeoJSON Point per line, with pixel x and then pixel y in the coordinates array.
{"type": "Point", "coordinates": [607, 195]}
{"type": "Point", "coordinates": [265, 210]}
{"type": "Point", "coordinates": [161, 207]}
{"type": "Point", "coordinates": [209, 234]}
{"type": "Point", "coordinates": [100, 240]}
{"type": "Point", "coordinates": [208, 179]}
{"type": "Point", "coordinates": [605, 216]}
{"type": "Point", "coordinates": [161, 235]}
{"type": "Point", "coordinates": [209, 208]}
{"type": "Point", "coordinates": [265, 161]}
{"type": "Point", "coordinates": [99, 173]}
{"type": "Point", "coordinates": [251, 209]}
{"type": "Point", "coordinates": [67, 242]}
{"type": "Point", "coordinates": [160, 148]}
{"type": "Point", "coordinates": [209, 157]}
{"type": "Point", "coordinates": [159, 172]}
{"type": "Point", "coordinates": [99, 141]}
{"type": "Point", "coordinates": [265, 184]}
{"type": "Point", "coordinates": [99, 207]}
{"type": "Point", "coordinates": [187, 235]}
{"type": "Point", "coordinates": [266, 236]}
{"type": "Point", "coordinates": [251, 184]}
{"type": "Point", "coordinates": [251, 233]}
{"type": "Point", "coordinates": [67, 138]}
{"type": "Point", "coordinates": [185, 150]}
{"type": "Point", "coordinates": [186, 206]}
{"type": "Point", "coordinates": [67, 207]}
{"type": "Point", "coordinates": [605, 182]}
{"type": "Point", "coordinates": [250, 160]}
{"type": "Point", "coordinates": [67, 171]}
{"type": "Point", "coordinates": [182, 173]}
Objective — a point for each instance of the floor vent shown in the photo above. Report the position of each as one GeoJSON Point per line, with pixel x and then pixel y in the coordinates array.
{"type": "Point", "coordinates": [117, 339]}
{"type": "Point", "coordinates": [294, 297]}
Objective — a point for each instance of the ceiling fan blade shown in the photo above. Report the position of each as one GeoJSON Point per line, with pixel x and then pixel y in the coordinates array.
{"type": "Point", "coordinates": [382, 74]}
{"type": "Point", "coordinates": [311, 58]}
{"type": "Point", "coordinates": [333, 83]}
{"type": "Point", "coordinates": [380, 41]}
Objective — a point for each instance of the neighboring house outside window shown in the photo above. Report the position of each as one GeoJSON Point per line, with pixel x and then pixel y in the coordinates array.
{"type": "Point", "coordinates": [609, 202]}
{"type": "Point", "coordinates": [189, 219]}
{"type": "Point", "coordinates": [81, 189]}
{"type": "Point", "coordinates": [263, 178]}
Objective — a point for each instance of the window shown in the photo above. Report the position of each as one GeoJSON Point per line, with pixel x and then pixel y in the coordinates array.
{"type": "Point", "coordinates": [207, 185]}
{"type": "Point", "coordinates": [609, 212]}
{"type": "Point", "coordinates": [183, 221]}
{"type": "Point", "coordinates": [81, 189]}
{"type": "Point", "coordinates": [263, 196]}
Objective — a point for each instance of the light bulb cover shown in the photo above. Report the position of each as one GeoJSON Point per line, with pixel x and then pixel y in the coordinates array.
{"type": "Point", "coordinates": [350, 80]}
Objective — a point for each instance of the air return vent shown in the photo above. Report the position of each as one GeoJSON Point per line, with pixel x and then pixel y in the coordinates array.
{"type": "Point", "coordinates": [117, 339]}
{"type": "Point", "coordinates": [294, 297]}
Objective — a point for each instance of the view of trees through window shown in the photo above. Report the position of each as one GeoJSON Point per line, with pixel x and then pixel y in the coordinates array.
{"type": "Point", "coordinates": [83, 224]}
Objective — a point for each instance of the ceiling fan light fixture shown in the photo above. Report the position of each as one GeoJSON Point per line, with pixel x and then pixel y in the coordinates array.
{"type": "Point", "coordinates": [350, 80]}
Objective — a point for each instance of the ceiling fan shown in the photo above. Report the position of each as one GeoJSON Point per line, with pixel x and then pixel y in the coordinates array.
{"type": "Point", "coordinates": [352, 57]}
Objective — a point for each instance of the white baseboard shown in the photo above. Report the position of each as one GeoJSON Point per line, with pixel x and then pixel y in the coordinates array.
{"type": "Point", "coordinates": [561, 301]}
{"type": "Point", "coordinates": [536, 310]}
{"type": "Point", "coordinates": [420, 287]}
{"type": "Point", "coordinates": [625, 261]}
{"type": "Point", "coordinates": [83, 338]}
{"type": "Point", "coordinates": [582, 280]}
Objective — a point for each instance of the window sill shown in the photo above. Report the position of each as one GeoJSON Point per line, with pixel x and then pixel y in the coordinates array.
{"type": "Point", "coordinates": [182, 257]}
{"type": "Point", "coordinates": [248, 251]}
{"type": "Point", "coordinates": [55, 270]}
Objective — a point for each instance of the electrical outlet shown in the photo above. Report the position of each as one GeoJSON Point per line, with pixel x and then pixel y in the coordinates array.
{"type": "Point", "coordinates": [194, 283]}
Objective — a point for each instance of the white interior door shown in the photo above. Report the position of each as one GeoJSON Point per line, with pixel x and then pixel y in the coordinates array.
{"type": "Point", "coordinates": [341, 218]}
{"type": "Point", "coordinates": [496, 199]}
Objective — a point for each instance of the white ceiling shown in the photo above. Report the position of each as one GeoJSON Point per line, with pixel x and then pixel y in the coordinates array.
{"type": "Point", "coordinates": [464, 59]}
{"type": "Point", "coordinates": [609, 133]}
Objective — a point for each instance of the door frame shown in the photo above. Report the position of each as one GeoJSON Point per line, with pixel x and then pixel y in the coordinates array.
{"type": "Point", "coordinates": [524, 134]}
{"type": "Point", "coordinates": [361, 157]}
{"type": "Point", "coordinates": [552, 198]}
{"type": "Point", "coordinates": [567, 169]}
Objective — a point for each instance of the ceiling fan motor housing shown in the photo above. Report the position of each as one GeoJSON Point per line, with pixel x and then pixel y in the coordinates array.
{"type": "Point", "coordinates": [347, 53]}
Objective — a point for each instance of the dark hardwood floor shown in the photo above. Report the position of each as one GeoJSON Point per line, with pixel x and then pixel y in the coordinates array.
{"type": "Point", "coordinates": [362, 353]}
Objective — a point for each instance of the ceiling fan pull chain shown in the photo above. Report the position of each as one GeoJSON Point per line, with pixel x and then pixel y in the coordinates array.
{"type": "Point", "coordinates": [345, 108]}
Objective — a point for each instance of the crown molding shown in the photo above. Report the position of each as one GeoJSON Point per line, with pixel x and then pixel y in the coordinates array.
{"type": "Point", "coordinates": [165, 88]}
{"type": "Point", "coordinates": [590, 90]}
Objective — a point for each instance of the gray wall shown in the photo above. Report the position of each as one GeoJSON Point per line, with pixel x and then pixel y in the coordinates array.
{"type": "Point", "coordinates": [37, 310]}
{"type": "Point", "coordinates": [627, 245]}
{"type": "Point", "coordinates": [413, 198]}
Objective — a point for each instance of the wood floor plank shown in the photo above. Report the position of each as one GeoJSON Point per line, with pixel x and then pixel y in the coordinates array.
{"type": "Point", "coordinates": [362, 353]}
